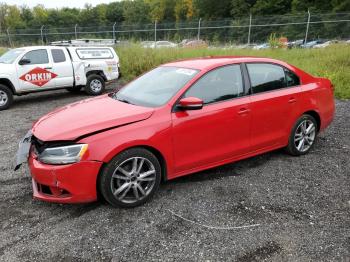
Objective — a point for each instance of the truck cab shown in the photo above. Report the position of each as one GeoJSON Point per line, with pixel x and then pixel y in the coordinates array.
{"type": "Point", "coordinates": [42, 68]}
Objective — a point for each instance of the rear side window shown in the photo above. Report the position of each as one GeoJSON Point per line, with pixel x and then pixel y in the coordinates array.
{"type": "Point", "coordinates": [291, 78]}
{"type": "Point", "coordinates": [218, 85]}
{"type": "Point", "coordinates": [266, 77]}
{"type": "Point", "coordinates": [37, 57]}
{"type": "Point", "coordinates": [58, 55]}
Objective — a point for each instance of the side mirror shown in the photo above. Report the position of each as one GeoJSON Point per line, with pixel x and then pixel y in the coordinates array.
{"type": "Point", "coordinates": [190, 103]}
{"type": "Point", "coordinates": [24, 61]}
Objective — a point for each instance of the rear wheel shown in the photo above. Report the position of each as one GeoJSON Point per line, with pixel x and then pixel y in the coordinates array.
{"type": "Point", "coordinates": [95, 85]}
{"type": "Point", "coordinates": [6, 97]}
{"type": "Point", "coordinates": [303, 136]}
{"type": "Point", "coordinates": [131, 178]}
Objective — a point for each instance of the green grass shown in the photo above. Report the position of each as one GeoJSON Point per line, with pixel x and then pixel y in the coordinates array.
{"type": "Point", "coordinates": [332, 62]}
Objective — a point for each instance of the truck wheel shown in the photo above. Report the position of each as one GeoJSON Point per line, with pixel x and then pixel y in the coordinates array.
{"type": "Point", "coordinates": [6, 97]}
{"type": "Point", "coordinates": [74, 90]}
{"type": "Point", "coordinates": [95, 85]}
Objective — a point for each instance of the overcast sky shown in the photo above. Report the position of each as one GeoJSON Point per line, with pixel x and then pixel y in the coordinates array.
{"type": "Point", "coordinates": [56, 3]}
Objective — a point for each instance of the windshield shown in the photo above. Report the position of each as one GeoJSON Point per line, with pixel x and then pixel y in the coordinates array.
{"type": "Point", "coordinates": [10, 56]}
{"type": "Point", "coordinates": [156, 87]}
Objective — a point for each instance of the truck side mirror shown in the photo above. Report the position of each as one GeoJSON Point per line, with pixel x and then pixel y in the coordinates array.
{"type": "Point", "coordinates": [24, 61]}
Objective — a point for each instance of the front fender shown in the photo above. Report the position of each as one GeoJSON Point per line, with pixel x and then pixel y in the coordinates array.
{"type": "Point", "coordinates": [106, 145]}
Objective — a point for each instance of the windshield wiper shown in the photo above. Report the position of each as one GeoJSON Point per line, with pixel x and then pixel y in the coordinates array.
{"type": "Point", "coordinates": [124, 101]}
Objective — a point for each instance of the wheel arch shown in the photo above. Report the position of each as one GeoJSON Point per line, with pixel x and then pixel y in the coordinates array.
{"type": "Point", "coordinates": [160, 157]}
{"type": "Point", "coordinates": [8, 83]}
{"type": "Point", "coordinates": [315, 115]}
{"type": "Point", "coordinates": [96, 72]}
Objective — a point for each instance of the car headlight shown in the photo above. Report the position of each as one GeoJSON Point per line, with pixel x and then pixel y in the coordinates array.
{"type": "Point", "coordinates": [63, 154]}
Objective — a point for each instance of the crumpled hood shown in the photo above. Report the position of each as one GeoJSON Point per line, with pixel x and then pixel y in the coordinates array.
{"type": "Point", "coordinates": [87, 116]}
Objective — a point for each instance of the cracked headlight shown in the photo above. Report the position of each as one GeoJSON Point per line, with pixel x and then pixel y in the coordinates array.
{"type": "Point", "coordinates": [63, 154]}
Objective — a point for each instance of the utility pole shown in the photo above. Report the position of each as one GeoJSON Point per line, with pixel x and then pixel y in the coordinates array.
{"type": "Point", "coordinates": [114, 31]}
{"type": "Point", "coordinates": [307, 26]}
{"type": "Point", "coordinates": [250, 26]}
{"type": "Point", "coordinates": [9, 37]}
{"type": "Point", "coordinates": [41, 34]}
{"type": "Point", "coordinates": [199, 28]}
{"type": "Point", "coordinates": [155, 34]}
{"type": "Point", "coordinates": [75, 31]}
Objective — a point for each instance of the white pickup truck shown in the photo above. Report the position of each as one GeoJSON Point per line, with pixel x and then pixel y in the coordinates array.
{"type": "Point", "coordinates": [40, 68]}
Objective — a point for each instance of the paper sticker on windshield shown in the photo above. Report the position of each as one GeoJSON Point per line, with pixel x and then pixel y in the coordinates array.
{"type": "Point", "coordinates": [186, 71]}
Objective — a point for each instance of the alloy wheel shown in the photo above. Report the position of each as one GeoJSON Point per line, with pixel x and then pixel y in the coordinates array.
{"type": "Point", "coordinates": [133, 180]}
{"type": "Point", "coordinates": [304, 135]}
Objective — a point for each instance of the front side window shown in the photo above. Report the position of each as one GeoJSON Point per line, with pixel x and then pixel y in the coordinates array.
{"type": "Point", "coordinates": [37, 57]}
{"type": "Point", "coordinates": [218, 85]}
{"type": "Point", "coordinates": [58, 55]}
{"type": "Point", "coordinates": [266, 77]}
{"type": "Point", "coordinates": [156, 87]}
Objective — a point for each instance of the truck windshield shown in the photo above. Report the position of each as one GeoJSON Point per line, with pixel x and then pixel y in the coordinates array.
{"type": "Point", "coordinates": [156, 87]}
{"type": "Point", "coordinates": [10, 56]}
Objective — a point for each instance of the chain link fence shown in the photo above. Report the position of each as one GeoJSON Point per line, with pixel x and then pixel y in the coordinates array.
{"type": "Point", "coordinates": [246, 30]}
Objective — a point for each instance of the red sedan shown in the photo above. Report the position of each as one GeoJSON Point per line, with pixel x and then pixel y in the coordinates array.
{"type": "Point", "coordinates": [177, 119]}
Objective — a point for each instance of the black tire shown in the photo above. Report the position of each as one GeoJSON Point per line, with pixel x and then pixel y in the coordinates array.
{"type": "Point", "coordinates": [74, 90]}
{"type": "Point", "coordinates": [293, 147]}
{"type": "Point", "coordinates": [127, 197]}
{"type": "Point", "coordinates": [99, 81]}
{"type": "Point", "coordinates": [6, 97]}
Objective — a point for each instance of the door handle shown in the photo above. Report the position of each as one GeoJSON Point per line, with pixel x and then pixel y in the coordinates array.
{"type": "Point", "coordinates": [292, 100]}
{"type": "Point", "coordinates": [243, 111]}
{"type": "Point", "coordinates": [48, 67]}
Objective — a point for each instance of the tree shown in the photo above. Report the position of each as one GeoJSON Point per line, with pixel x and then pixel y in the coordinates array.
{"type": "Point", "coordinates": [40, 15]}
{"type": "Point", "coordinates": [13, 17]}
{"type": "Point", "coordinates": [270, 7]}
{"type": "Point", "coordinates": [157, 9]}
{"type": "Point", "coordinates": [241, 7]}
{"type": "Point", "coordinates": [212, 10]}
{"type": "Point", "coordinates": [136, 12]}
{"type": "Point", "coordinates": [26, 15]}
{"type": "Point", "coordinates": [184, 9]}
{"type": "Point", "coordinates": [115, 12]}
{"type": "Point", "coordinates": [341, 5]}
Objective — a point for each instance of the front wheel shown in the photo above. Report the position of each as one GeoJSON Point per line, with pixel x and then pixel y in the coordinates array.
{"type": "Point", "coordinates": [131, 178]}
{"type": "Point", "coordinates": [95, 85]}
{"type": "Point", "coordinates": [6, 97]}
{"type": "Point", "coordinates": [303, 136]}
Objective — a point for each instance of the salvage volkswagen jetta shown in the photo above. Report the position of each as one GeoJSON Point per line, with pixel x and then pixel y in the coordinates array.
{"type": "Point", "coordinates": [177, 119]}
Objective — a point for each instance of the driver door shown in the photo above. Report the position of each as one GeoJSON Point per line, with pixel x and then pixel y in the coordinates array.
{"type": "Point", "coordinates": [220, 130]}
{"type": "Point", "coordinates": [35, 71]}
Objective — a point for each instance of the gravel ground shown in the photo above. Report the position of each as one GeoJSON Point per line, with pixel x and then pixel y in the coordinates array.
{"type": "Point", "coordinates": [296, 208]}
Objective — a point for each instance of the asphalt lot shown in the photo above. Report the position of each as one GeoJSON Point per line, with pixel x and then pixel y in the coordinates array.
{"type": "Point", "coordinates": [294, 208]}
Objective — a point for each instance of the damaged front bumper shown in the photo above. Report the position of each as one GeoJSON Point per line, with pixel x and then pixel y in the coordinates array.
{"type": "Point", "coordinates": [72, 183]}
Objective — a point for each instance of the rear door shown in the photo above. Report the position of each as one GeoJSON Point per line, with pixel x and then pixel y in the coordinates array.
{"type": "Point", "coordinates": [274, 104]}
{"type": "Point", "coordinates": [37, 74]}
{"type": "Point", "coordinates": [62, 67]}
{"type": "Point", "coordinates": [218, 131]}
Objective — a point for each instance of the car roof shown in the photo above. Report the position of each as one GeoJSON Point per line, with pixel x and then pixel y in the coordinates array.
{"type": "Point", "coordinates": [206, 63]}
